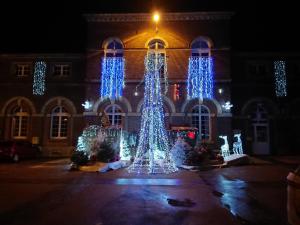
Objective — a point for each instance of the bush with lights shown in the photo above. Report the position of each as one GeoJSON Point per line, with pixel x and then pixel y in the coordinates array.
{"type": "Point", "coordinates": [103, 144]}
{"type": "Point", "coordinates": [79, 158]}
{"type": "Point", "coordinates": [179, 151]}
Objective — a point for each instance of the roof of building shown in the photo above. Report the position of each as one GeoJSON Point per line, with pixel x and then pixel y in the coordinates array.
{"type": "Point", "coordinates": [174, 16]}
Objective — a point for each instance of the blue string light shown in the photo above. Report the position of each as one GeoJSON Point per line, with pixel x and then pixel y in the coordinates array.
{"type": "Point", "coordinates": [153, 151]}
{"type": "Point", "coordinates": [112, 79]}
{"type": "Point", "coordinates": [200, 77]}
{"type": "Point", "coordinates": [280, 79]}
{"type": "Point", "coordinates": [38, 87]}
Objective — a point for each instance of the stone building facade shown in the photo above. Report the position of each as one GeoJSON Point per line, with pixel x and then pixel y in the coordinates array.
{"type": "Point", "coordinates": [269, 122]}
{"type": "Point", "coordinates": [56, 119]}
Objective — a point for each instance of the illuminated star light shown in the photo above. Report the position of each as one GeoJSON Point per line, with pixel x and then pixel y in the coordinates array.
{"type": "Point", "coordinates": [112, 79]}
{"type": "Point", "coordinates": [280, 79]}
{"type": "Point", "coordinates": [200, 77]}
{"type": "Point", "coordinates": [227, 106]}
{"type": "Point", "coordinates": [38, 87]}
{"type": "Point", "coordinates": [87, 105]}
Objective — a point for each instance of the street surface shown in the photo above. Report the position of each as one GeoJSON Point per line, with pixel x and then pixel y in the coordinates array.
{"type": "Point", "coordinates": [45, 192]}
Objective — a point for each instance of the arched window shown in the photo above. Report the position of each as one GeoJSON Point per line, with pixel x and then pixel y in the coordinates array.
{"type": "Point", "coordinates": [165, 108]}
{"type": "Point", "coordinates": [201, 121]}
{"type": "Point", "coordinates": [113, 48]}
{"type": "Point", "coordinates": [259, 114]}
{"type": "Point", "coordinates": [115, 115]}
{"type": "Point", "coordinates": [59, 123]}
{"type": "Point", "coordinates": [200, 47]}
{"type": "Point", "coordinates": [158, 46]}
{"type": "Point", "coordinates": [20, 123]}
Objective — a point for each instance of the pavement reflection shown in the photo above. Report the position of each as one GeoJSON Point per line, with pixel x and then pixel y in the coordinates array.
{"type": "Point", "coordinates": [137, 181]}
{"type": "Point", "coordinates": [235, 196]}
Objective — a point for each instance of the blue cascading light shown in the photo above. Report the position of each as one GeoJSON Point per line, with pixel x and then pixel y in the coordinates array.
{"type": "Point", "coordinates": [200, 77]}
{"type": "Point", "coordinates": [112, 79]}
{"type": "Point", "coordinates": [38, 87]}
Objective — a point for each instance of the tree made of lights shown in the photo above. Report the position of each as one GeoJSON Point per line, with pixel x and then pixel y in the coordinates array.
{"type": "Point", "coordinates": [153, 151]}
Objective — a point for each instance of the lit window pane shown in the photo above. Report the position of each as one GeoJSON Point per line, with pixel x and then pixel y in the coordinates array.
{"type": "Point", "coordinates": [201, 121]}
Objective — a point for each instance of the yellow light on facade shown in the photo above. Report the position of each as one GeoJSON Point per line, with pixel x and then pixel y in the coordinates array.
{"type": "Point", "coordinates": [156, 17]}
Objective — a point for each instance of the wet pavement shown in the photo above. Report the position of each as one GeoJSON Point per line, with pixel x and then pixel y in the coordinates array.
{"type": "Point", "coordinates": [45, 192]}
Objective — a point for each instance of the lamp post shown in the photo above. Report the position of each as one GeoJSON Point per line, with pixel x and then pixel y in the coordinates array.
{"type": "Point", "coordinates": [156, 19]}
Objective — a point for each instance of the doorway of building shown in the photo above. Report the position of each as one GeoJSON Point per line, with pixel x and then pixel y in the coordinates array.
{"type": "Point", "coordinates": [260, 126]}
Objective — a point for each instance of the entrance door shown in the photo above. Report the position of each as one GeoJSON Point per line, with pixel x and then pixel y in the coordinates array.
{"type": "Point", "coordinates": [261, 145]}
{"type": "Point", "coordinates": [260, 124]}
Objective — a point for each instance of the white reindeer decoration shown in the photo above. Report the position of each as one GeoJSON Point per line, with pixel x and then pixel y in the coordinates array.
{"type": "Point", "coordinates": [237, 145]}
{"type": "Point", "coordinates": [225, 147]}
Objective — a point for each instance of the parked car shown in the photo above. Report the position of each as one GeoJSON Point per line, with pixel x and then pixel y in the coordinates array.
{"type": "Point", "coordinates": [293, 194]}
{"type": "Point", "coordinates": [17, 150]}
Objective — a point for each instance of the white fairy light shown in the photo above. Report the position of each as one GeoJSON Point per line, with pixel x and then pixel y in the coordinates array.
{"type": "Point", "coordinates": [237, 145]}
{"type": "Point", "coordinates": [87, 105]}
{"type": "Point", "coordinates": [280, 79]}
{"type": "Point", "coordinates": [225, 147]}
{"type": "Point", "coordinates": [153, 151]}
{"type": "Point", "coordinates": [227, 106]}
{"type": "Point", "coordinates": [38, 87]}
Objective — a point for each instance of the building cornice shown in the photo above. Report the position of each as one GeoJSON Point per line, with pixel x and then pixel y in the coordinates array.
{"type": "Point", "coordinates": [43, 55]}
{"type": "Point", "coordinates": [266, 54]}
{"type": "Point", "coordinates": [93, 50]}
{"type": "Point", "coordinates": [171, 80]}
{"type": "Point", "coordinates": [140, 17]}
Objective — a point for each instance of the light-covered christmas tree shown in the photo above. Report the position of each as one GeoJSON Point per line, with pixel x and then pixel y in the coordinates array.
{"type": "Point", "coordinates": [153, 152]}
{"type": "Point", "coordinates": [125, 153]}
{"type": "Point", "coordinates": [179, 151]}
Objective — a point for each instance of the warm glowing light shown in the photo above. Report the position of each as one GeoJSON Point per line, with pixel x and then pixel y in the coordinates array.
{"type": "Point", "coordinates": [156, 17]}
{"type": "Point", "coordinates": [136, 92]}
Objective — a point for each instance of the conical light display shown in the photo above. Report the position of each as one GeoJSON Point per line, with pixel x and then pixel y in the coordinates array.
{"type": "Point", "coordinates": [153, 151]}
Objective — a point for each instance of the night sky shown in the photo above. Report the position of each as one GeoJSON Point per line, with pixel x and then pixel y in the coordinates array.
{"type": "Point", "coordinates": [58, 26]}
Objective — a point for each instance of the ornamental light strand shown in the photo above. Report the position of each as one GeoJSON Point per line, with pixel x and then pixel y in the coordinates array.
{"type": "Point", "coordinates": [38, 87]}
{"type": "Point", "coordinates": [153, 151]}
{"type": "Point", "coordinates": [200, 77]}
{"type": "Point", "coordinates": [112, 79]}
{"type": "Point", "coordinates": [280, 79]}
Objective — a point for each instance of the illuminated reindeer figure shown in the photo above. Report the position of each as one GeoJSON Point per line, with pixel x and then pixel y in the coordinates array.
{"type": "Point", "coordinates": [237, 145]}
{"type": "Point", "coordinates": [225, 147]}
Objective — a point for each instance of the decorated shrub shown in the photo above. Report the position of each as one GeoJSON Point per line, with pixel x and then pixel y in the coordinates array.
{"type": "Point", "coordinates": [106, 153]}
{"type": "Point", "coordinates": [79, 158]}
{"type": "Point", "coordinates": [179, 151]}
